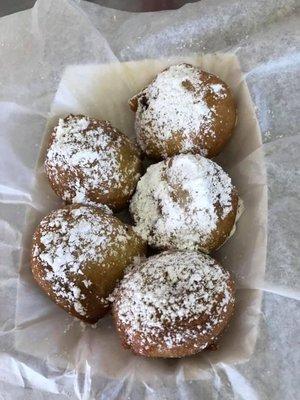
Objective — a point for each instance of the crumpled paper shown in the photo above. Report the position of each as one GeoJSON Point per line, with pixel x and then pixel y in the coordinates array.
{"type": "Point", "coordinates": [38, 50]}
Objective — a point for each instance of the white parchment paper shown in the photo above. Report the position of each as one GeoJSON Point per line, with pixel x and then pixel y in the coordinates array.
{"type": "Point", "coordinates": [65, 56]}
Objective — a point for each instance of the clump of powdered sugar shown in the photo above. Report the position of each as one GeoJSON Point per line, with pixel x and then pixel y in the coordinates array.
{"type": "Point", "coordinates": [175, 102]}
{"type": "Point", "coordinates": [157, 299]}
{"type": "Point", "coordinates": [175, 204]}
{"type": "Point", "coordinates": [86, 154]}
{"type": "Point", "coordinates": [218, 90]}
{"type": "Point", "coordinates": [69, 239]}
{"type": "Point", "coordinates": [81, 198]}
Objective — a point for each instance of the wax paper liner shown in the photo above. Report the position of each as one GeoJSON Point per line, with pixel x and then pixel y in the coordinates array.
{"type": "Point", "coordinates": [46, 55]}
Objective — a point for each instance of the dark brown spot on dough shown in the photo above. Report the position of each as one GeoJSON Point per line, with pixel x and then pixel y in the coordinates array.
{"type": "Point", "coordinates": [188, 85]}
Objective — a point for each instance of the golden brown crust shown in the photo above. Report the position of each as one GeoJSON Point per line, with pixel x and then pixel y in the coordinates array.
{"type": "Point", "coordinates": [158, 312]}
{"type": "Point", "coordinates": [225, 226]}
{"type": "Point", "coordinates": [88, 161]}
{"type": "Point", "coordinates": [161, 134]}
{"type": "Point", "coordinates": [225, 111]}
{"type": "Point", "coordinates": [78, 255]}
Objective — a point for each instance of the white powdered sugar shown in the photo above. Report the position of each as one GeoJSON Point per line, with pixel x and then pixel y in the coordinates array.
{"type": "Point", "coordinates": [219, 90]}
{"type": "Point", "coordinates": [69, 238]}
{"type": "Point", "coordinates": [239, 212]}
{"type": "Point", "coordinates": [81, 198]}
{"type": "Point", "coordinates": [163, 299]}
{"type": "Point", "coordinates": [85, 157]}
{"type": "Point", "coordinates": [178, 201]}
{"type": "Point", "coordinates": [175, 102]}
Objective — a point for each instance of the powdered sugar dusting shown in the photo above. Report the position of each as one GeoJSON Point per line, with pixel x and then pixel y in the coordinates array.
{"type": "Point", "coordinates": [157, 299]}
{"type": "Point", "coordinates": [87, 153]}
{"type": "Point", "coordinates": [69, 239]}
{"type": "Point", "coordinates": [81, 198]}
{"type": "Point", "coordinates": [175, 204]}
{"type": "Point", "coordinates": [175, 102]}
{"type": "Point", "coordinates": [219, 90]}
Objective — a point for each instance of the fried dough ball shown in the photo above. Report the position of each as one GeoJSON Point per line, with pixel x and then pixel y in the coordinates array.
{"type": "Point", "coordinates": [78, 255]}
{"type": "Point", "coordinates": [185, 202]}
{"type": "Point", "coordinates": [174, 304]}
{"type": "Point", "coordinates": [88, 161]}
{"type": "Point", "coordinates": [184, 110]}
